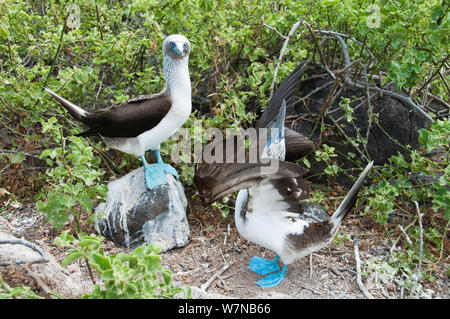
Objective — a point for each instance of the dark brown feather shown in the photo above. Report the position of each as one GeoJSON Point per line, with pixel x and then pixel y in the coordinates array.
{"type": "Point", "coordinates": [297, 145]}
{"type": "Point", "coordinates": [128, 119]}
{"type": "Point", "coordinates": [213, 181]}
{"type": "Point", "coordinates": [286, 91]}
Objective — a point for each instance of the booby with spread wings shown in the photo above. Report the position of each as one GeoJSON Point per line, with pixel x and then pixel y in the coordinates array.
{"type": "Point", "coordinates": [267, 209]}
{"type": "Point", "coordinates": [144, 122]}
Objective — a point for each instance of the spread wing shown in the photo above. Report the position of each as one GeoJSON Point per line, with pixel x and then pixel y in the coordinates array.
{"type": "Point", "coordinates": [278, 196]}
{"type": "Point", "coordinates": [286, 91]}
{"type": "Point", "coordinates": [216, 180]}
{"type": "Point", "coordinates": [128, 119]}
{"type": "Point", "coordinates": [297, 145]}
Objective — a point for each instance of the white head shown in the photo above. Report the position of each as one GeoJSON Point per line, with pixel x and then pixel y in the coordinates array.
{"type": "Point", "coordinates": [176, 46]}
{"type": "Point", "coordinates": [176, 50]}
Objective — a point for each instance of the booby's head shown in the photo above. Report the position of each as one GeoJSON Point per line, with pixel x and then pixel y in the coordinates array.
{"type": "Point", "coordinates": [176, 46]}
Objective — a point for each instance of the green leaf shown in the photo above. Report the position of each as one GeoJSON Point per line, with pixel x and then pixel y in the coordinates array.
{"type": "Point", "coordinates": [17, 157]}
{"type": "Point", "coordinates": [90, 242]}
{"type": "Point", "coordinates": [102, 262]}
{"type": "Point", "coordinates": [73, 255]}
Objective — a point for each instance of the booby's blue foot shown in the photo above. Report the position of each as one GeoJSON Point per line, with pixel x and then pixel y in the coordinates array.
{"type": "Point", "coordinates": [273, 279]}
{"type": "Point", "coordinates": [263, 266]}
{"type": "Point", "coordinates": [155, 174]}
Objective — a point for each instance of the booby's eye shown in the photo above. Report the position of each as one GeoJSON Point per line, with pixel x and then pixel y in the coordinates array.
{"type": "Point", "coordinates": [185, 46]}
{"type": "Point", "coordinates": [172, 44]}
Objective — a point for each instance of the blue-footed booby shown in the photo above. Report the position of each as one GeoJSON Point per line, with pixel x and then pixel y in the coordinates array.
{"type": "Point", "coordinates": [144, 122]}
{"type": "Point", "coordinates": [268, 210]}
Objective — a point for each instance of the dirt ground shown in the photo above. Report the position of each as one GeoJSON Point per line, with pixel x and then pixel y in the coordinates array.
{"type": "Point", "coordinates": [215, 242]}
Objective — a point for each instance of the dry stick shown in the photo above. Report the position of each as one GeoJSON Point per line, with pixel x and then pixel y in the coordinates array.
{"type": "Point", "coordinates": [405, 234]}
{"type": "Point", "coordinates": [419, 267]}
{"type": "Point", "coordinates": [211, 280]}
{"type": "Point", "coordinates": [436, 72]}
{"type": "Point", "coordinates": [438, 99]}
{"type": "Point", "coordinates": [348, 138]}
{"type": "Point", "coordinates": [325, 66]}
{"type": "Point", "coordinates": [369, 106]}
{"type": "Point", "coordinates": [274, 29]}
{"type": "Point", "coordinates": [42, 259]}
{"type": "Point", "coordinates": [5, 286]}
{"type": "Point", "coordinates": [58, 49]}
{"type": "Point", "coordinates": [285, 43]}
{"type": "Point", "coordinates": [442, 242]}
{"type": "Point", "coordinates": [358, 271]}
{"type": "Point", "coordinates": [405, 99]}
{"type": "Point", "coordinates": [38, 281]}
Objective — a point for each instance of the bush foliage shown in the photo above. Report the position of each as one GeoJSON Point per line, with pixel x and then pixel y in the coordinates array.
{"type": "Point", "coordinates": [100, 53]}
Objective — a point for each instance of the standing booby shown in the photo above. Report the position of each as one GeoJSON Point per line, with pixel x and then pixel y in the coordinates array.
{"type": "Point", "coordinates": [144, 122]}
{"type": "Point", "coordinates": [267, 210]}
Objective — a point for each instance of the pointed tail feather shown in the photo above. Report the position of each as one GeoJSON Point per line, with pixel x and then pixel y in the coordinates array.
{"type": "Point", "coordinates": [349, 200]}
{"type": "Point", "coordinates": [73, 109]}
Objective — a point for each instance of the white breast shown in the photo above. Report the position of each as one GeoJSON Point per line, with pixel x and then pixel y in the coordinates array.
{"type": "Point", "coordinates": [265, 224]}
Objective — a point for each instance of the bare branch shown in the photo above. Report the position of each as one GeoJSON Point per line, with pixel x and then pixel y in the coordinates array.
{"type": "Point", "coordinates": [206, 285]}
{"type": "Point", "coordinates": [42, 259]}
{"type": "Point", "coordinates": [285, 43]}
{"type": "Point", "coordinates": [358, 271]}
{"type": "Point", "coordinates": [419, 267]}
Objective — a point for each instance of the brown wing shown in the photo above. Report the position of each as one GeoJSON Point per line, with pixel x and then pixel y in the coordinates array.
{"type": "Point", "coordinates": [286, 91]}
{"type": "Point", "coordinates": [216, 180]}
{"type": "Point", "coordinates": [297, 145]}
{"type": "Point", "coordinates": [130, 118]}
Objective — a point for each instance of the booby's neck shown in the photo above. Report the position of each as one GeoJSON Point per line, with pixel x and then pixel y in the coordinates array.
{"type": "Point", "coordinates": [178, 84]}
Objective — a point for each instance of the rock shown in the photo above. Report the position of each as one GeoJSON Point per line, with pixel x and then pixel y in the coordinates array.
{"type": "Point", "coordinates": [133, 215]}
{"type": "Point", "coordinates": [71, 285]}
{"type": "Point", "coordinates": [396, 128]}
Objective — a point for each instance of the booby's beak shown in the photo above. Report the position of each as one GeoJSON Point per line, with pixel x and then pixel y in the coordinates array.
{"type": "Point", "coordinates": [178, 48]}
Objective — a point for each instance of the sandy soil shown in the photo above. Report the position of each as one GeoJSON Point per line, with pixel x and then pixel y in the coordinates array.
{"type": "Point", "coordinates": [215, 242]}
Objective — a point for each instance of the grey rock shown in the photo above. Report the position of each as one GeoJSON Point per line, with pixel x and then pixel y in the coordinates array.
{"type": "Point", "coordinates": [133, 215]}
{"type": "Point", "coordinates": [397, 123]}
{"type": "Point", "coordinates": [71, 283]}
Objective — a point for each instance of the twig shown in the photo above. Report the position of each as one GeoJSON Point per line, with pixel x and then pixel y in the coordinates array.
{"type": "Point", "coordinates": [38, 281]}
{"type": "Point", "coordinates": [310, 266]}
{"type": "Point", "coordinates": [369, 106]}
{"type": "Point", "coordinates": [98, 20]}
{"type": "Point", "coordinates": [325, 66]}
{"type": "Point", "coordinates": [436, 72]}
{"type": "Point", "coordinates": [42, 259]}
{"type": "Point", "coordinates": [397, 240]}
{"type": "Point", "coordinates": [405, 234]}
{"type": "Point", "coordinates": [405, 99]}
{"type": "Point", "coordinates": [285, 43]}
{"type": "Point", "coordinates": [419, 267]}
{"type": "Point", "coordinates": [274, 29]}
{"type": "Point", "coordinates": [206, 285]}
{"type": "Point", "coordinates": [58, 49]}
{"type": "Point", "coordinates": [184, 273]}
{"type": "Point", "coordinates": [313, 290]}
{"type": "Point", "coordinates": [436, 98]}
{"type": "Point", "coordinates": [358, 271]}
{"type": "Point", "coordinates": [5, 286]}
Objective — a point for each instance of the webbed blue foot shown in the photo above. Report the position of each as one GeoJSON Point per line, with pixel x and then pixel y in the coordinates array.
{"type": "Point", "coordinates": [263, 266]}
{"type": "Point", "coordinates": [273, 279]}
{"type": "Point", "coordinates": [155, 174]}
